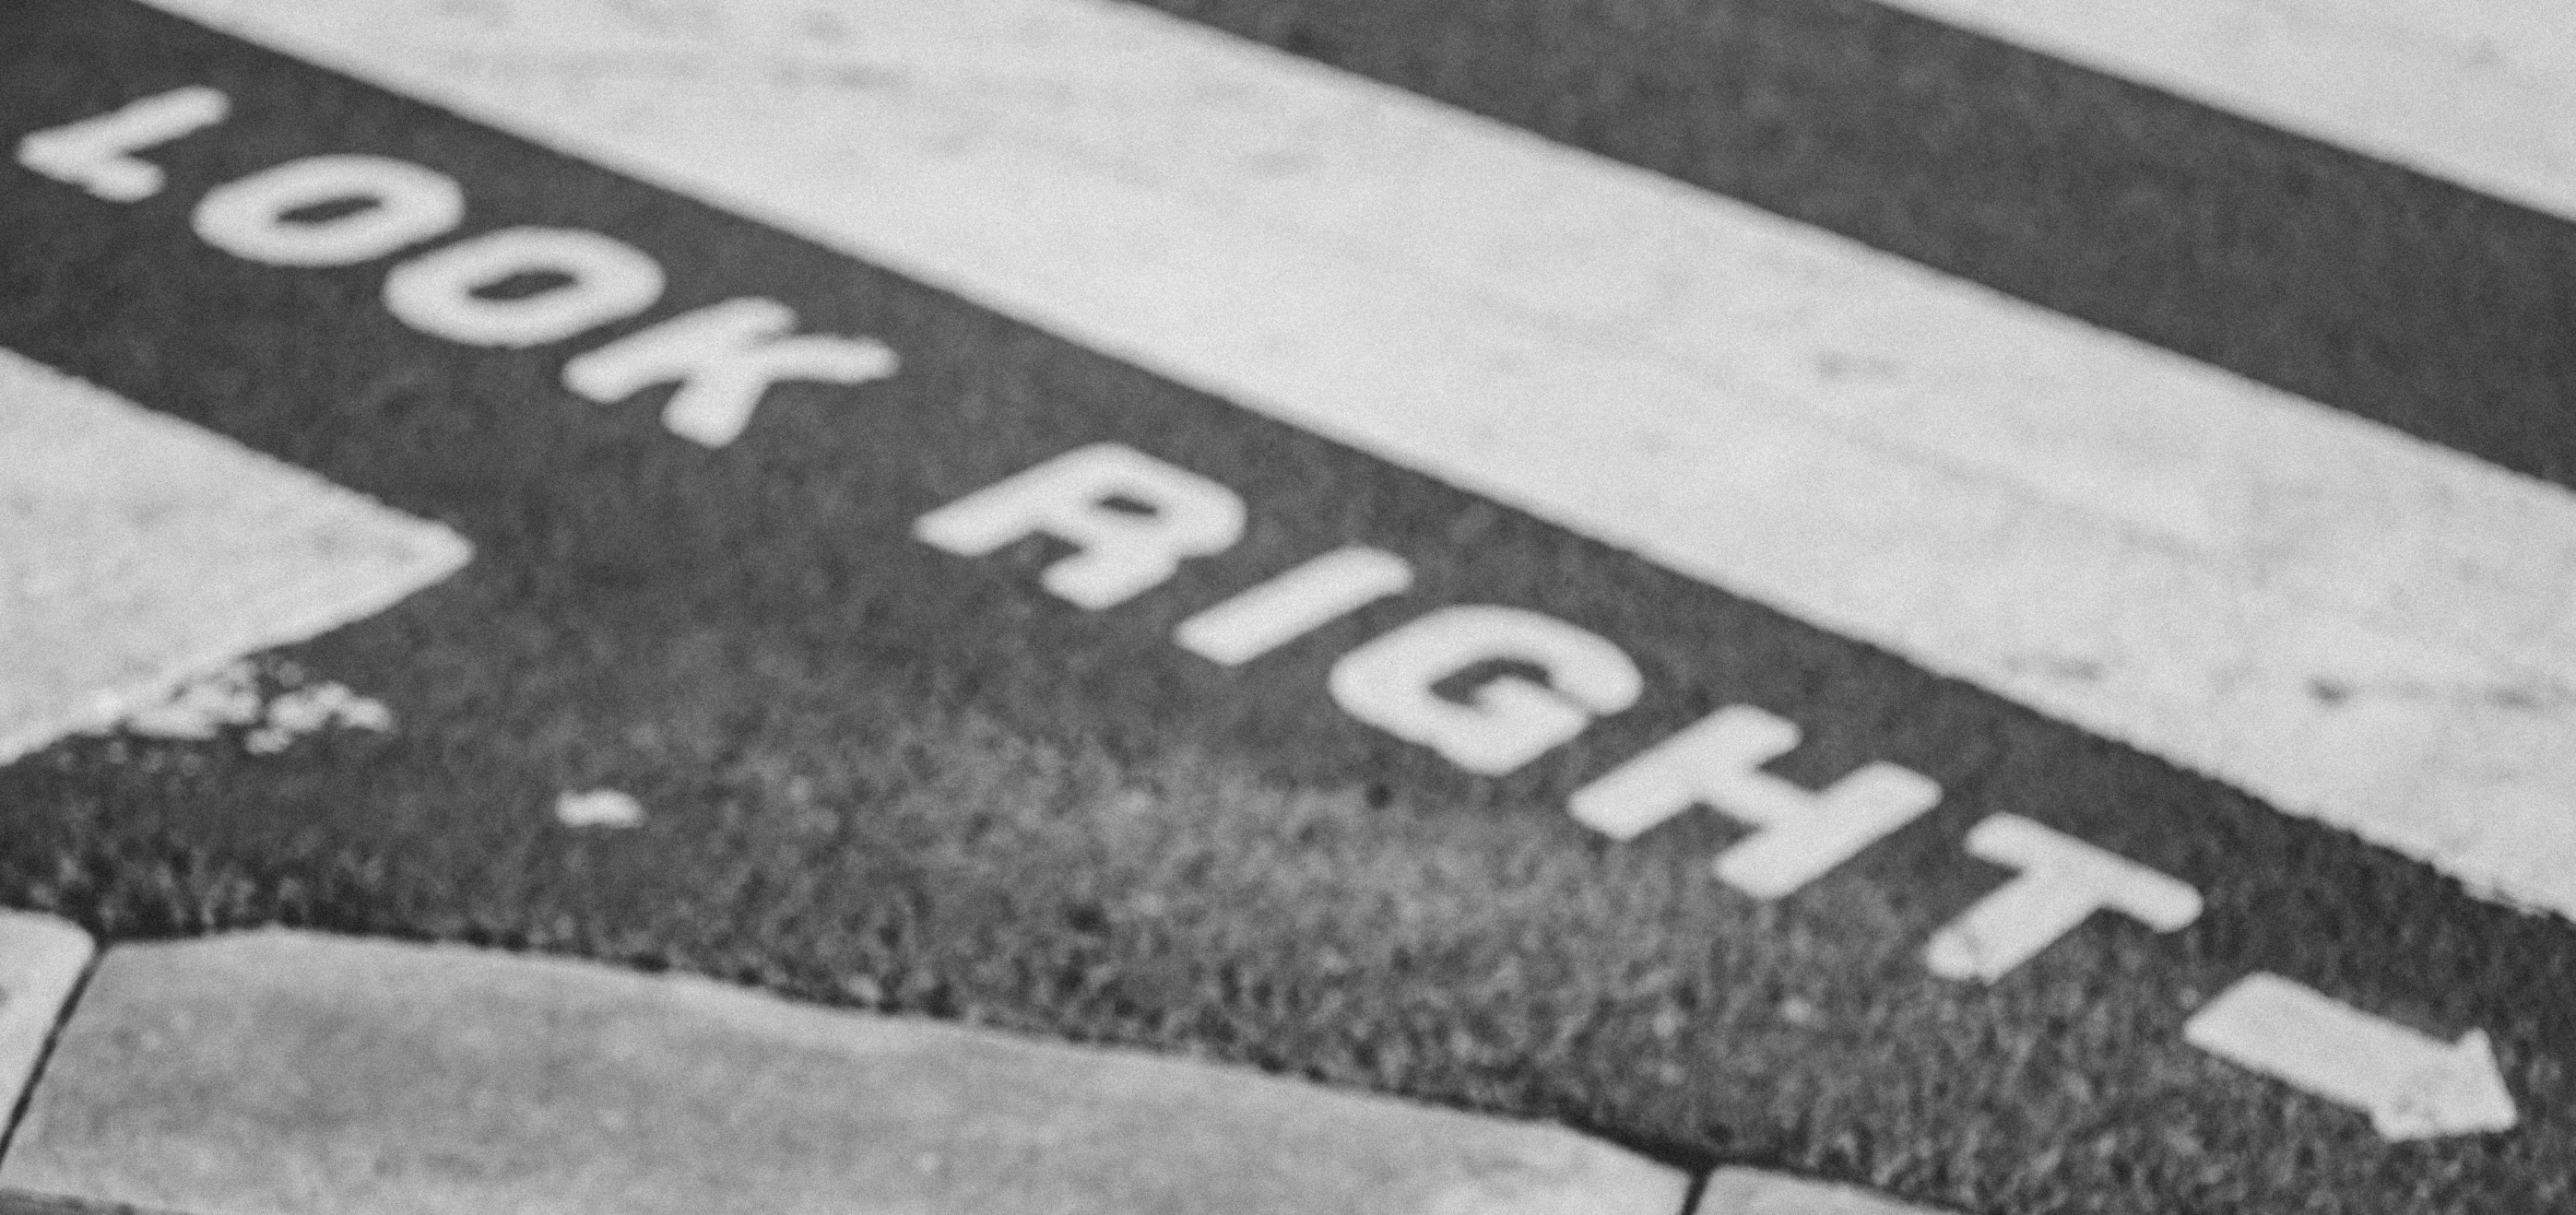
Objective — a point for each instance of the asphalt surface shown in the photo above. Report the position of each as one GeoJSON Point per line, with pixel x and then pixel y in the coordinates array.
{"type": "Point", "coordinates": [885, 775]}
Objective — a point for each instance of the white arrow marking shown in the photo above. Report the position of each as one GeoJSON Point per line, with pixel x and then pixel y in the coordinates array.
{"type": "Point", "coordinates": [2412, 1086]}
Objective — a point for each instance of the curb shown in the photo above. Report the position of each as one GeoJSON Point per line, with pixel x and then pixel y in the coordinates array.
{"type": "Point", "coordinates": [286, 1071]}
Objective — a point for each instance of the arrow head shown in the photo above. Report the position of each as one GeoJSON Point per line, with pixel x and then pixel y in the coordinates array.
{"type": "Point", "coordinates": [2412, 1085]}
{"type": "Point", "coordinates": [2460, 1092]}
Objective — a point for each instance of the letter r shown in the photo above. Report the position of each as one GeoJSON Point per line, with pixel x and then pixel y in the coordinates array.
{"type": "Point", "coordinates": [1134, 518]}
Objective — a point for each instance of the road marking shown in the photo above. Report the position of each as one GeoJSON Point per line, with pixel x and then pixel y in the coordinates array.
{"type": "Point", "coordinates": [2411, 1085]}
{"type": "Point", "coordinates": [253, 218]}
{"type": "Point", "coordinates": [203, 707]}
{"type": "Point", "coordinates": [41, 960]}
{"type": "Point", "coordinates": [1408, 680]}
{"type": "Point", "coordinates": [1799, 834]}
{"type": "Point", "coordinates": [309, 710]}
{"type": "Point", "coordinates": [2351, 623]}
{"type": "Point", "coordinates": [598, 808]}
{"type": "Point", "coordinates": [284, 1071]}
{"type": "Point", "coordinates": [1305, 825]}
{"type": "Point", "coordinates": [1293, 604]}
{"type": "Point", "coordinates": [2059, 882]}
{"type": "Point", "coordinates": [1131, 519]}
{"type": "Point", "coordinates": [1392, 681]}
{"type": "Point", "coordinates": [137, 551]}
{"type": "Point", "coordinates": [2477, 91]}
{"type": "Point", "coordinates": [97, 153]}
{"type": "Point", "coordinates": [723, 358]}
{"type": "Point", "coordinates": [448, 292]}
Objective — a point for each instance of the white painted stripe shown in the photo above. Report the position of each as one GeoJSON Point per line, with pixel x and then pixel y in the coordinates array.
{"type": "Point", "coordinates": [137, 550]}
{"type": "Point", "coordinates": [2351, 623]}
{"type": "Point", "coordinates": [2480, 92]}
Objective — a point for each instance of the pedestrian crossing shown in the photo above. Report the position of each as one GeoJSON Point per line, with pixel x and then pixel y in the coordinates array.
{"type": "Point", "coordinates": [2124, 660]}
{"type": "Point", "coordinates": [2350, 622]}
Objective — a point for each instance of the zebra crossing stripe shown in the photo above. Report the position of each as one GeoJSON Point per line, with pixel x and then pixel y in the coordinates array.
{"type": "Point", "coordinates": [137, 550]}
{"type": "Point", "coordinates": [2354, 624]}
{"type": "Point", "coordinates": [2476, 92]}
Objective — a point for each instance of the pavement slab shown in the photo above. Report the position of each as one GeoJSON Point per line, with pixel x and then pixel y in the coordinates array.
{"type": "Point", "coordinates": [15, 1203]}
{"type": "Point", "coordinates": [41, 959]}
{"type": "Point", "coordinates": [1756, 1192]}
{"type": "Point", "coordinates": [283, 1071]}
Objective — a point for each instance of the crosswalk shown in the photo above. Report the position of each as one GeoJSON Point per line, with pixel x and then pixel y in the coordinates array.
{"type": "Point", "coordinates": [2140, 718]}
{"type": "Point", "coordinates": [2350, 622]}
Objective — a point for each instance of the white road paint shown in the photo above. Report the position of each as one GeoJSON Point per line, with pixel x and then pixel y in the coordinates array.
{"type": "Point", "coordinates": [41, 960]}
{"type": "Point", "coordinates": [2353, 624]}
{"type": "Point", "coordinates": [2411, 1085]}
{"type": "Point", "coordinates": [312, 710]}
{"type": "Point", "coordinates": [724, 357]}
{"type": "Point", "coordinates": [203, 707]}
{"type": "Point", "coordinates": [2476, 91]}
{"type": "Point", "coordinates": [1390, 681]}
{"type": "Point", "coordinates": [1131, 518]}
{"type": "Point", "coordinates": [603, 280]}
{"type": "Point", "coordinates": [1293, 604]}
{"type": "Point", "coordinates": [405, 205]}
{"type": "Point", "coordinates": [1799, 834]}
{"type": "Point", "coordinates": [137, 551]}
{"type": "Point", "coordinates": [598, 808]}
{"type": "Point", "coordinates": [98, 153]}
{"type": "Point", "coordinates": [2058, 883]}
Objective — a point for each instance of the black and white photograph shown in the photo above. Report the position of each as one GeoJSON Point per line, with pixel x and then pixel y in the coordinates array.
{"type": "Point", "coordinates": [1287, 607]}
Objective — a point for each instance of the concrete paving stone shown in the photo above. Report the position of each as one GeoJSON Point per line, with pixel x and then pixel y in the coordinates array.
{"type": "Point", "coordinates": [13, 1202]}
{"type": "Point", "coordinates": [1755, 1192]}
{"type": "Point", "coordinates": [277, 1072]}
{"type": "Point", "coordinates": [41, 959]}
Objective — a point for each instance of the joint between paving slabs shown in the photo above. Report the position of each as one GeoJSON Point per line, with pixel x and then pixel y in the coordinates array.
{"type": "Point", "coordinates": [21, 1202]}
{"type": "Point", "coordinates": [1691, 1193]}
{"type": "Point", "coordinates": [9, 1204]}
{"type": "Point", "coordinates": [1698, 1178]}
